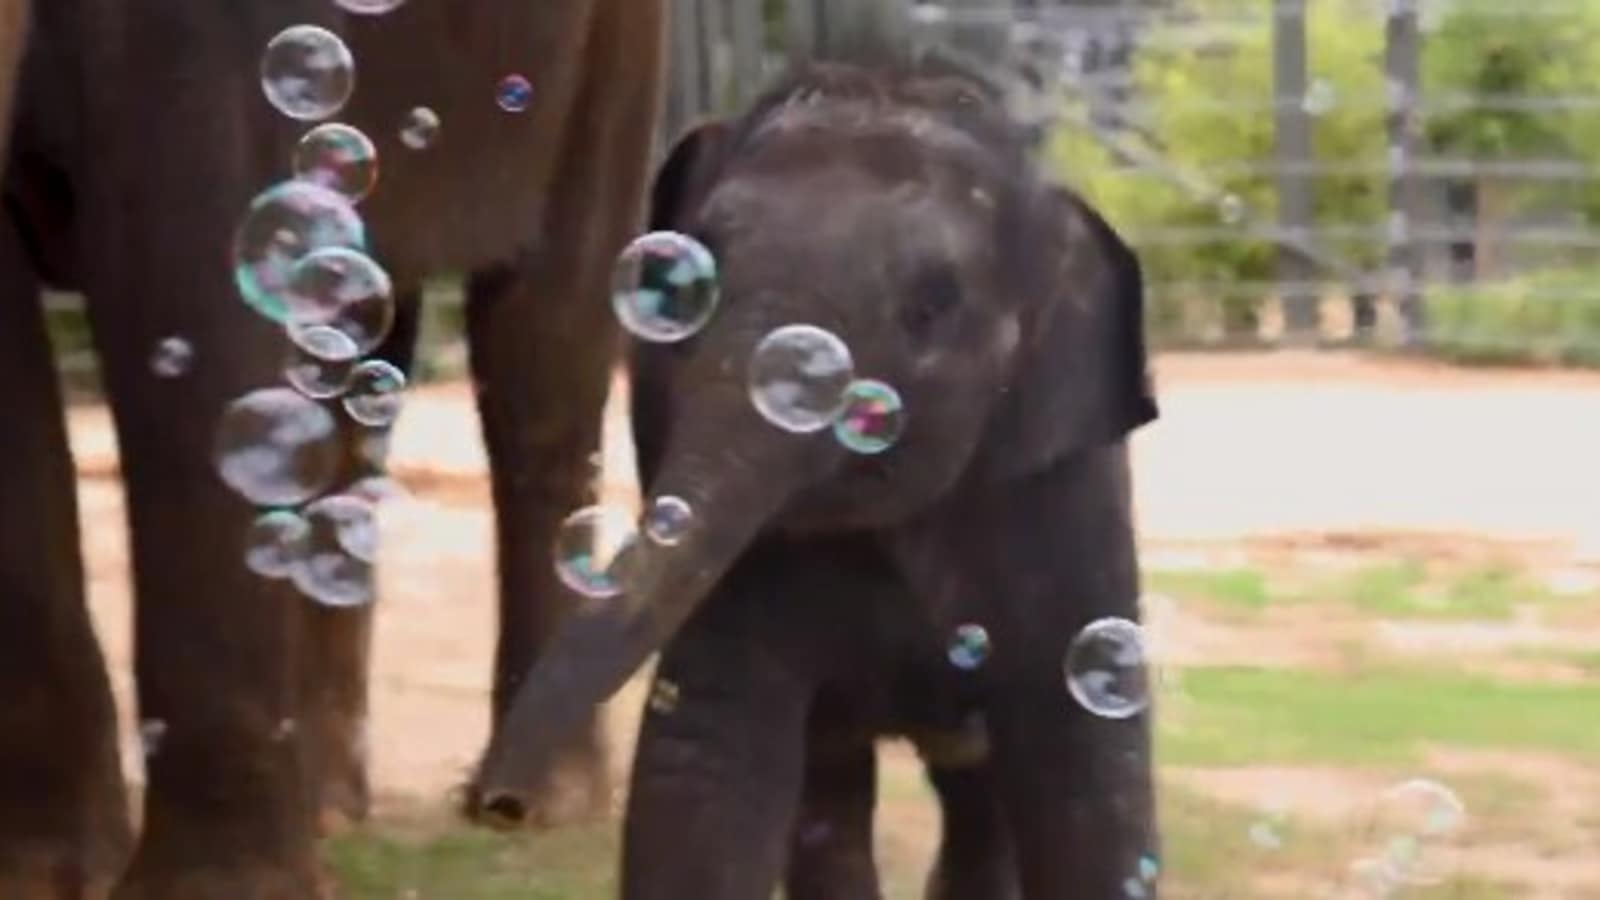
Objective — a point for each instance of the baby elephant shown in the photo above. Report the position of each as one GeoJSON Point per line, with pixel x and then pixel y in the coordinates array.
{"type": "Point", "coordinates": [893, 519]}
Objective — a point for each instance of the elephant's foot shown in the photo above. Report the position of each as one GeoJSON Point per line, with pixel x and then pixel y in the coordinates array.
{"type": "Point", "coordinates": [578, 789]}
{"type": "Point", "coordinates": [243, 882]}
{"type": "Point", "coordinates": [39, 873]}
{"type": "Point", "coordinates": [342, 794]}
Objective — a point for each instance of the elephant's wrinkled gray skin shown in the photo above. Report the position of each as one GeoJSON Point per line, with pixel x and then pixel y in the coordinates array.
{"type": "Point", "coordinates": [141, 135]}
{"type": "Point", "coordinates": [810, 607]}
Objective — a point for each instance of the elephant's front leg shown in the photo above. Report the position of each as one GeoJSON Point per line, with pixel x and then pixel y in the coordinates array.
{"type": "Point", "coordinates": [544, 345]}
{"type": "Point", "coordinates": [720, 763]}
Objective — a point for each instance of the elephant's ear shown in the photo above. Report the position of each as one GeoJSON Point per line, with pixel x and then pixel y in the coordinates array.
{"type": "Point", "coordinates": [686, 172]}
{"type": "Point", "coordinates": [1081, 376]}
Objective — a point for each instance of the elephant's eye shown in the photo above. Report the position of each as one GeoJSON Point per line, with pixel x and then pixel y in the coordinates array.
{"type": "Point", "coordinates": [935, 292]}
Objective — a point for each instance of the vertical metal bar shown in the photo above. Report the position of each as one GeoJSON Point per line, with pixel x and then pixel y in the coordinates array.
{"type": "Point", "coordinates": [1402, 65]}
{"type": "Point", "coordinates": [800, 26]}
{"type": "Point", "coordinates": [746, 32]}
{"type": "Point", "coordinates": [1292, 144]}
{"type": "Point", "coordinates": [685, 96]}
{"type": "Point", "coordinates": [857, 28]}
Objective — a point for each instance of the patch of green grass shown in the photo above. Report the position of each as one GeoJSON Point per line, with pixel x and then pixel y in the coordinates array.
{"type": "Point", "coordinates": [1384, 590]}
{"type": "Point", "coordinates": [566, 864]}
{"type": "Point", "coordinates": [1235, 590]}
{"type": "Point", "coordinates": [1242, 716]}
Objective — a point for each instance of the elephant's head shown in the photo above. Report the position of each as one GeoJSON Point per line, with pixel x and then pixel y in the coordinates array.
{"type": "Point", "coordinates": [902, 213]}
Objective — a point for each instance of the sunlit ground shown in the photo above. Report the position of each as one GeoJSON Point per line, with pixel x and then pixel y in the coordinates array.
{"type": "Point", "coordinates": [1357, 574]}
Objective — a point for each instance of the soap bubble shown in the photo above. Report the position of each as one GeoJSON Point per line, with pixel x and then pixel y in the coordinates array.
{"type": "Point", "coordinates": [664, 287]}
{"type": "Point", "coordinates": [151, 734]}
{"type": "Point", "coordinates": [173, 357]}
{"type": "Point", "coordinates": [513, 93]}
{"type": "Point", "coordinates": [667, 520]}
{"type": "Point", "coordinates": [588, 547]}
{"type": "Point", "coordinates": [276, 543]}
{"type": "Point", "coordinates": [1230, 209]}
{"type": "Point", "coordinates": [798, 377]}
{"type": "Point", "coordinates": [1105, 668]}
{"type": "Point", "coordinates": [873, 417]}
{"type": "Point", "coordinates": [276, 448]}
{"type": "Point", "coordinates": [283, 225]}
{"type": "Point", "coordinates": [1409, 823]}
{"type": "Point", "coordinates": [337, 569]}
{"type": "Point", "coordinates": [343, 289]}
{"type": "Point", "coordinates": [320, 362]}
{"type": "Point", "coordinates": [1319, 98]}
{"type": "Point", "coordinates": [969, 647]}
{"type": "Point", "coordinates": [379, 489]}
{"type": "Point", "coordinates": [338, 157]}
{"type": "Point", "coordinates": [374, 395]}
{"type": "Point", "coordinates": [307, 72]}
{"type": "Point", "coordinates": [420, 129]}
{"type": "Point", "coordinates": [370, 7]}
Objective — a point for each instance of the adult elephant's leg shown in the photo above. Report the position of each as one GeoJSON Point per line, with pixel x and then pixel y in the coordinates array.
{"type": "Point", "coordinates": [64, 828]}
{"type": "Point", "coordinates": [976, 859]}
{"type": "Point", "coordinates": [543, 345]}
{"type": "Point", "coordinates": [336, 662]}
{"type": "Point", "coordinates": [830, 851]}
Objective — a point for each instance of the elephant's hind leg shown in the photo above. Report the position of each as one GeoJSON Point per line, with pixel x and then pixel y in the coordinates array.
{"type": "Point", "coordinates": [830, 852]}
{"type": "Point", "coordinates": [63, 814]}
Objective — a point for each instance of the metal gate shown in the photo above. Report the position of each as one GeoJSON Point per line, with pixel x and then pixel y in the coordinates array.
{"type": "Point", "coordinates": [1411, 174]}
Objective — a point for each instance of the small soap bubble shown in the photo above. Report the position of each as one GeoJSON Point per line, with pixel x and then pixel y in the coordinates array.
{"type": "Point", "coordinates": [370, 7]}
{"type": "Point", "coordinates": [276, 447]}
{"type": "Point", "coordinates": [284, 730]}
{"type": "Point", "coordinates": [667, 520]}
{"type": "Point", "coordinates": [798, 377]}
{"type": "Point", "coordinates": [379, 489]}
{"type": "Point", "coordinates": [1319, 98]}
{"type": "Point", "coordinates": [307, 73]}
{"type": "Point", "coordinates": [1266, 836]}
{"type": "Point", "coordinates": [284, 224]}
{"type": "Point", "coordinates": [151, 733]}
{"type": "Point", "coordinates": [588, 547]}
{"type": "Point", "coordinates": [969, 647]}
{"type": "Point", "coordinates": [664, 697]}
{"type": "Point", "coordinates": [323, 371]}
{"type": "Point", "coordinates": [664, 287]}
{"type": "Point", "coordinates": [338, 157]}
{"type": "Point", "coordinates": [341, 288]}
{"type": "Point", "coordinates": [375, 393]}
{"type": "Point", "coordinates": [514, 93]}
{"type": "Point", "coordinates": [873, 417]}
{"type": "Point", "coordinates": [420, 128]}
{"type": "Point", "coordinates": [332, 573]}
{"type": "Point", "coordinates": [1149, 868]}
{"type": "Point", "coordinates": [1230, 209]}
{"type": "Point", "coordinates": [276, 543]}
{"type": "Point", "coordinates": [1105, 668]}
{"type": "Point", "coordinates": [173, 357]}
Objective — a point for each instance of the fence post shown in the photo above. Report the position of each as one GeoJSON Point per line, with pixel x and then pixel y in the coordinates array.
{"type": "Point", "coordinates": [1292, 139]}
{"type": "Point", "coordinates": [689, 89]}
{"type": "Point", "coordinates": [834, 29]}
{"type": "Point", "coordinates": [1402, 65]}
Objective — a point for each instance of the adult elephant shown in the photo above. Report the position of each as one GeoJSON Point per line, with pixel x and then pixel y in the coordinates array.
{"type": "Point", "coordinates": [140, 136]}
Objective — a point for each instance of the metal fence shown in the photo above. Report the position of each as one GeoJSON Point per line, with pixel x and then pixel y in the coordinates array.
{"type": "Point", "coordinates": [1390, 173]}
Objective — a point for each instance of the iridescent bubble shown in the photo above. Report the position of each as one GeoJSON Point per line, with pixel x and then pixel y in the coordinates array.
{"type": "Point", "coordinates": [588, 547]}
{"type": "Point", "coordinates": [873, 417]}
{"type": "Point", "coordinates": [375, 393]}
{"type": "Point", "coordinates": [668, 519]}
{"type": "Point", "coordinates": [420, 129]}
{"type": "Point", "coordinates": [1319, 98]}
{"type": "Point", "coordinates": [1422, 807]}
{"type": "Point", "coordinates": [283, 225]}
{"type": "Point", "coordinates": [332, 573]}
{"type": "Point", "coordinates": [1105, 668]}
{"type": "Point", "coordinates": [343, 289]}
{"type": "Point", "coordinates": [276, 543]}
{"type": "Point", "coordinates": [370, 7]}
{"type": "Point", "coordinates": [321, 372]}
{"type": "Point", "coordinates": [514, 93]}
{"type": "Point", "coordinates": [798, 377]}
{"type": "Point", "coordinates": [969, 647]}
{"type": "Point", "coordinates": [338, 157]}
{"type": "Point", "coordinates": [277, 448]}
{"type": "Point", "coordinates": [307, 72]}
{"type": "Point", "coordinates": [379, 489]}
{"type": "Point", "coordinates": [151, 734]}
{"type": "Point", "coordinates": [664, 287]}
{"type": "Point", "coordinates": [173, 357]}
{"type": "Point", "coordinates": [1230, 209]}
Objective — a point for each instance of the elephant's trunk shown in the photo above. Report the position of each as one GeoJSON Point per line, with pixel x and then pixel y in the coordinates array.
{"type": "Point", "coordinates": [735, 489]}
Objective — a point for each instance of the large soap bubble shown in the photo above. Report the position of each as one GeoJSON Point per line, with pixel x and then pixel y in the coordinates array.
{"type": "Point", "coordinates": [1105, 668]}
{"type": "Point", "coordinates": [370, 7]}
{"type": "Point", "coordinates": [277, 448]}
{"type": "Point", "coordinates": [664, 287]}
{"type": "Point", "coordinates": [340, 545]}
{"type": "Point", "coordinates": [588, 547]}
{"type": "Point", "coordinates": [798, 377]}
{"type": "Point", "coordinates": [308, 73]}
{"type": "Point", "coordinates": [283, 225]}
{"type": "Point", "coordinates": [338, 157]}
{"type": "Point", "coordinates": [343, 289]}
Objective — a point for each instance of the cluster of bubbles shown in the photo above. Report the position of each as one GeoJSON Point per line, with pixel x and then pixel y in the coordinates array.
{"type": "Point", "coordinates": [301, 260]}
{"type": "Point", "coordinates": [801, 378]}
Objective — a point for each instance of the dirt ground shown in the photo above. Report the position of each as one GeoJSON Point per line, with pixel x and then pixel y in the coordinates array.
{"type": "Point", "coordinates": [1316, 452]}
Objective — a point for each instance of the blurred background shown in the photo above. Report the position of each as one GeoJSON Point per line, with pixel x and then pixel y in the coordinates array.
{"type": "Point", "coordinates": [1370, 513]}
